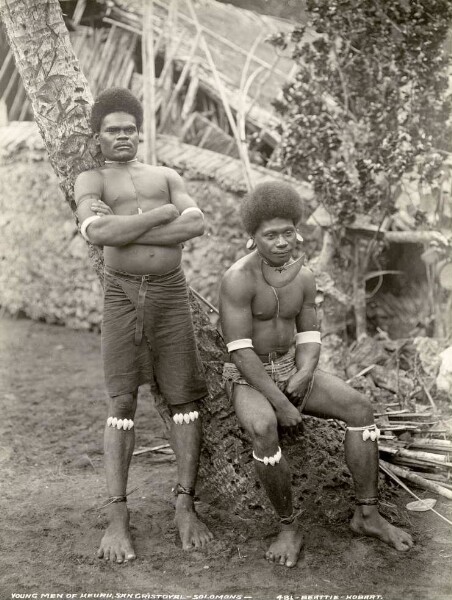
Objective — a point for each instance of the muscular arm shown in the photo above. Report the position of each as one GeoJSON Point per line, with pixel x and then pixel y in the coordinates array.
{"type": "Point", "coordinates": [307, 355]}
{"type": "Point", "coordinates": [236, 322]}
{"type": "Point", "coordinates": [115, 230]}
{"type": "Point", "coordinates": [184, 227]}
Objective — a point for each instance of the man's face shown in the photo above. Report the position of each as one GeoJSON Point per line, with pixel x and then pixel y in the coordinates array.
{"type": "Point", "coordinates": [118, 137]}
{"type": "Point", "coordinates": [276, 239]}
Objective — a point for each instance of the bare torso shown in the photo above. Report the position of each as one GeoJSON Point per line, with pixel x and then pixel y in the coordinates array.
{"type": "Point", "coordinates": [127, 189]}
{"type": "Point", "coordinates": [277, 299]}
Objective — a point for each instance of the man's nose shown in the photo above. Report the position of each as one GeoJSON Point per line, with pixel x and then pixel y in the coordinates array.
{"type": "Point", "coordinates": [281, 241]}
{"type": "Point", "coordinates": [122, 135]}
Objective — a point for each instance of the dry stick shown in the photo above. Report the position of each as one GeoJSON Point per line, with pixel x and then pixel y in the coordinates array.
{"type": "Point", "coordinates": [385, 468]}
{"type": "Point", "coordinates": [206, 302]}
{"type": "Point", "coordinates": [363, 372]}
{"type": "Point", "coordinates": [180, 82]}
{"type": "Point", "coordinates": [147, 44]}
{"type": "Point", "coordinates": [153, 449]}
{"type": "Point", "coordinates": [418, 480]}
{"type": "Point", "coordinates": [6, 64]}
{"type": "Point", "coordinates": [427, 393]}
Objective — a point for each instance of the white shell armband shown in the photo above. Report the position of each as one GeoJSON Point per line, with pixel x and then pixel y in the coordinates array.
{"type": "Point", "coordinates": [370, 432]}
{"type": "Point", "coordinates": [180, 418]}
{"type": "Point", "coordinates": [192, 209]}
{"type": "Point", "coordinates": [269, 460]}
{"type": "Point", "coordinates": [120, 423]}
{"type": "Point", "coordinates": [84, 226]}
{"type": "Point", "coordinates": [239, 344]}
{"type": "Point", "coordinates": [306, 337]}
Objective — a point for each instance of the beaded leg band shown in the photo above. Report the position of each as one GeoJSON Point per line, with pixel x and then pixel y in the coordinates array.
{"type": "Point", "coordinates": [181, 418]}
{"type": "Point", "coordinates": [269, 460]}
{"type": "Point", "coordinates": [367, 501]}
{"type": "Point", "coordinates": [120, 423]}
{"type": "Point", "coordinates": [370, 432]}
{"type": "Point", "coordinates": [180, 489]}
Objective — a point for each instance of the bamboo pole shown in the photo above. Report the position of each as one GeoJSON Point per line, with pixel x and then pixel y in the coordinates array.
{"type": "Point", "coordinates": [415, 454]}
{"type": "Point", "coordinates": [416, 479]}
{"type": "Point", "coordinates": [147, 48]}
{"type": "Point", "coordinates": [180, 82]}
{"type": "Point", "coordinates": [222, 92]}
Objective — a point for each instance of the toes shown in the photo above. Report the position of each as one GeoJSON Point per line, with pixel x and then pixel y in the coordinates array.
{"type": "Point", "coordinates": [100, 553]}
{"type": "Point", "coordinates": [131, 556]}
{"type": "Point", "coordinates": [269, 556]}
{"type": "Point", "coordinates": [282, 560]}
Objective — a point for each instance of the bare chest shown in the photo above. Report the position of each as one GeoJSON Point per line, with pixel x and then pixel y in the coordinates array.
{"type": "Point", "coordinates": [128, 189]}
{"type": "Point", "coordinates": [272, 302]}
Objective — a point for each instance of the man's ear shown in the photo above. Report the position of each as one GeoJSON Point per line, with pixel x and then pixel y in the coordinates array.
{"type": "Point", "coordinates": [96, 137]}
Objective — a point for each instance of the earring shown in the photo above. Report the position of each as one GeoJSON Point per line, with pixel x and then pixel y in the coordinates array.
{"type": "Point", "coordinates": [250, 244]}
{"type": "Point", "coordinates": [299, 237]}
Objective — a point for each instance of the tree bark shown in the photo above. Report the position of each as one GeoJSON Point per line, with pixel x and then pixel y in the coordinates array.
{"type": "Point", "coordinates": [61, 99]}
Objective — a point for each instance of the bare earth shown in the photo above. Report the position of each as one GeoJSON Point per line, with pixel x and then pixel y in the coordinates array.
{"type": "Point", "coordinates": [52, 417]}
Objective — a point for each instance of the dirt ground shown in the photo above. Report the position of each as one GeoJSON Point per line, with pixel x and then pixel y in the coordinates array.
{"type": "Point", "coordinates": [52, 418]}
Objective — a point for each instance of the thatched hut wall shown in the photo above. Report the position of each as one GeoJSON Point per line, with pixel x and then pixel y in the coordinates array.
{"type": "Point", "coordinates": [46, 273]}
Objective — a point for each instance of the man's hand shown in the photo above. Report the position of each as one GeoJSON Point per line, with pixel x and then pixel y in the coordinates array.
{"type": "Point", "coordinates": [100, 208]}
{"type": "Point", "coordinates": [168, 212]}
{"type": "Point", "coordinates": [288, 415]}
{"type": "Point", "coordinates": [298, 384]}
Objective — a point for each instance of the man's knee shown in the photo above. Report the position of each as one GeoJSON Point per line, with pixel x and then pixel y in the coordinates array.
{"type": "Point", "coordinates": [264, 430]}
{"type": "Point", "coordinates": [124, 406]}
{"type": "Point", "coordinates": [361, 411]}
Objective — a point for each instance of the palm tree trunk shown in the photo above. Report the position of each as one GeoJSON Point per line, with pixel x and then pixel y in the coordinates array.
{"type": "Point", "coordinates": [60, 99]}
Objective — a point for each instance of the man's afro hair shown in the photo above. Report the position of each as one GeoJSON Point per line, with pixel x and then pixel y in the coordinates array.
{"type": "Point", "coordinates": [270, 200]}
{"type": "Point", "coordinates": [115, 99]}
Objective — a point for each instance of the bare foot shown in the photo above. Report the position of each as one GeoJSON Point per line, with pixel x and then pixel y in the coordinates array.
{"type": "Point", "coordinates": [286, 547]}
{"type": "Point", "coordinates": [192, 532]}
{"type": "Point", "coordinates": [368, 521]}
{"type": "Point", "coordinates": [116, 545]}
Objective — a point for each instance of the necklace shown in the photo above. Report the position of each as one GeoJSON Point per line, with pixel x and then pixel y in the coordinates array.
{"type": "Point", "coordinates": [120, 162]}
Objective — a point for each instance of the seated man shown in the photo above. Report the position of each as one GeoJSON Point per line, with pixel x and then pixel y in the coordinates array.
{"type": "Point", "coordinates": [142, 214]}
{"type": "Point", "coordinates": [268, 317]}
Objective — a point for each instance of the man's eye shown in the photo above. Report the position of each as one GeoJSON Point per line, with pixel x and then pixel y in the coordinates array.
{"type": "Point", "coordinates": [130, 130]}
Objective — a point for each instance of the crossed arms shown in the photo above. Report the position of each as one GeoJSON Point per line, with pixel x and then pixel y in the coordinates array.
{"type": "Point", "coordinates": [162, 226]}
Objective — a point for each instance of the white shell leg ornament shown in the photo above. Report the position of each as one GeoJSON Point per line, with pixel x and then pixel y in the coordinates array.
{"type": "Point", "coordinates": [370, 432]}
{"type": "Point", "coordinates": [269, 460]}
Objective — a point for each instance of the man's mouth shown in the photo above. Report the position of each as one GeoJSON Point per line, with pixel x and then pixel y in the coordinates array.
{"type": "Point", "coordinates": [123, 147]}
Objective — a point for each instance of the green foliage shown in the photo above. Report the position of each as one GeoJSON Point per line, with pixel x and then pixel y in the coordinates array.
{"type": "Point", "coordinates": [369, 100]}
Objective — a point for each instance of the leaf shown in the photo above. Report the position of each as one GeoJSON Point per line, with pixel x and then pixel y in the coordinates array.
{"type": "Point", "coordinates": [421, 505]}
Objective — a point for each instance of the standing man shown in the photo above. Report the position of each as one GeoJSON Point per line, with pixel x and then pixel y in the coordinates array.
{"type": "Point", "coordinates": [268, 316]}
{"type": "Point", "coordinates": [141, 215]}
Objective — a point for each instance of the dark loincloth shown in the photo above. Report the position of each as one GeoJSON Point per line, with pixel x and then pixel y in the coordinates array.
{"type": "Point", "coordinates": [161, 348]}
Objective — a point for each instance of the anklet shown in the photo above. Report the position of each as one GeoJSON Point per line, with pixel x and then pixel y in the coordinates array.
{"type": "Point", "coordinates": [288, 520]}
{"type": "Point", "coordinates": [180, 489]}
{"type": "Point", "coordinates": [114, 499]}
{"type": "Point", "coordinates": [367, 501]}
